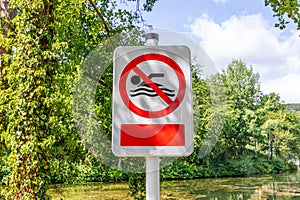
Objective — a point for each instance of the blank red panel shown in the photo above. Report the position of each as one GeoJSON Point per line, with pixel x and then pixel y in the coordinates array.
{"type": "Point", "coordinates": [152, 135]}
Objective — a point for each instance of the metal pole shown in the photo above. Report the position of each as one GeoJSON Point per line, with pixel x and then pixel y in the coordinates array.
{"type": "Point", "coordinates": [152, 178]}
{"type": "Point", "coordinates": [152, 162]}
{"type": "Point", "coordinates": [151, 39]}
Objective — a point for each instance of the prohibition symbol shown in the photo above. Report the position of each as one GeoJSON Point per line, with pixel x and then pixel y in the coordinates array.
{"type": "Point", "coordinates": [172, 105]}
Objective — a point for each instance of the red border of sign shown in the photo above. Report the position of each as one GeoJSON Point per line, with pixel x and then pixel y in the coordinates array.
{"type": "Point", "coordinates": [173, 104]}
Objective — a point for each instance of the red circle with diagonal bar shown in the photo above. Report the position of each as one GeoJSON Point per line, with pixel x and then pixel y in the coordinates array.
{"type": "Point", "coordinates": [172, 104]}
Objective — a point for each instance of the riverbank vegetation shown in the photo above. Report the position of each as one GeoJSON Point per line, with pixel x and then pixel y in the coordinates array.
{"type": "Point", "coordinates": [43, 44]}
{"type": "Point", "coordinates": [284, 186]}
{"type": "Point", "coordinates": [259, 136]}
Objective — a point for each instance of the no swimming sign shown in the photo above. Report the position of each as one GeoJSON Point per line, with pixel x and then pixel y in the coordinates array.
{"type": "Point", "coordinates": [152, 101]}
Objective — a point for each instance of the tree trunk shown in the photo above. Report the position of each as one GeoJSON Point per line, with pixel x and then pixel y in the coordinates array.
{"type": "Point", "coordinates": [269, 147]}
{"type": "Point", "coordinates": [7, 14]}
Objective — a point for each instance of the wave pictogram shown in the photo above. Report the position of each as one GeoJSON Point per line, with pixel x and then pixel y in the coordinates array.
{"type": "Point", "coordinates": [148, 91]}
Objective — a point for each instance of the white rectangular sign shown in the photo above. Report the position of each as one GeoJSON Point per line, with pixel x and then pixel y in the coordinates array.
{"type": "Point", "coordinates": [152, 101]}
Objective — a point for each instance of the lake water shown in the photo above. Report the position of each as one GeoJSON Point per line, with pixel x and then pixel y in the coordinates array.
{"type": "Point", "coordinates": [270, 187]}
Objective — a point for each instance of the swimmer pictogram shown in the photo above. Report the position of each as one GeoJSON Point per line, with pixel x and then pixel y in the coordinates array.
{"type": "Point", "coordinates": [142, 88]}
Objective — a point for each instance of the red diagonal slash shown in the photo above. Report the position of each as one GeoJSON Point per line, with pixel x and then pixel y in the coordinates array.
{"type": "Point", "coordinates": [151, 84]}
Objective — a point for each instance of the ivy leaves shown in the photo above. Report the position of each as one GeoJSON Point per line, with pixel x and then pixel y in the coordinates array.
{"type": "Point", "coordinates": [44, 45]}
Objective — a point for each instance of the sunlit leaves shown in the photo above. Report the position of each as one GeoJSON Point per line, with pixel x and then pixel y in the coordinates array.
{"type": "Point", "coordinates": [285, 10]}
{"type": "Point", "coordinates": [45, 44]}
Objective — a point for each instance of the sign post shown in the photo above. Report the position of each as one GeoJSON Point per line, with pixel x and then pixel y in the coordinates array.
{"type": "Point", "coordinates": [152, 105]}
{"type": "Point", "coordinates": [152, 178]}
{"type": "Point", "coordinates": [152, 162]}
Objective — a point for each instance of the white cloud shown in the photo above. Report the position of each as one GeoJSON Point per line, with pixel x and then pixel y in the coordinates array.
{"type": "Point", "coordinates": [257, 43]}
{"type": "Point", "coordinates": [287, 87]}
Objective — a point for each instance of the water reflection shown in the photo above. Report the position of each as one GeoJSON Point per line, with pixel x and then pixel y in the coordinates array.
{"type": "Point", "coordinates": [276, 187]}
{"type": "Point", "coordinates": [272, 187]}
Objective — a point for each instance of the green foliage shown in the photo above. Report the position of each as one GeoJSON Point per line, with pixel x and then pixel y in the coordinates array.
{"type": "Point", "coordinates": [103, 101]}
{"type": "Point", "coordinates": [137, 186]}
{"type": "Point", "coordinates": [256, 126]}
{"type": "Point", "coordinates": [37, 126]}
{"type": "Point", "coordinates": [285, 10]}
{"type": "Point", "coordinates": [242, 92]}
{"type": "Point", "coordinates": [44, 45]}
{"type": "Point", "coordinates": [148, 4]}
{"type": "Point", "coordinates": [4, 171]}
{"type": "Point", "coordinates": [180, 169]}
{"type": "Point", "coordinates": [202, 112]}
{"type": "Point", "coordinates": [278, 165]}
{"type": "Point", "coordinates": [245, 166]}
{"type": "Point", "coordinates": [88, 170]}
{"type": "Point", "coordinates": [41, 50]}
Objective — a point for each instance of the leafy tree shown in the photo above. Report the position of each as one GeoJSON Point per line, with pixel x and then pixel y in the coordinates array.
{"type": "Point", "coordinates": [279, 129]}
{"type": "Point", "coordinates": [202, 112]}
{"type": "Point", "coordinates": [242, 91]}
{"type": "Point", "coordinates": [285, 10]}
{"type": "Point", "coordinates": [270, 112]}
{"type": "Point", "coordinates": [41, 49]}
{"type": "Point", "coordinates": [257, 127]}
{"type": "Point", "coordinates": [293, 127]}
{"type": "Point", "coordinates": [35, 96]}
{"type": "Point", "coordinates": [6, 14]}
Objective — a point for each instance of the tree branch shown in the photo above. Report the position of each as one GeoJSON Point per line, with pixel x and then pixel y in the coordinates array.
{"type": "Point", "coordinates": [104, 22]}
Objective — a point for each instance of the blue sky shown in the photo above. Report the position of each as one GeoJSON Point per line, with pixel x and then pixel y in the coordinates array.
{"type": "Point", "coordinates": [236, 29]}
{"type": "Point", "coordinates": [176, 14]}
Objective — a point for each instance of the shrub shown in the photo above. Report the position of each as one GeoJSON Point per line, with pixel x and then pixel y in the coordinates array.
{"type": "Point", "coordinates": [278, 164]}
{"type": "Point", "coordinates": [137, 186]}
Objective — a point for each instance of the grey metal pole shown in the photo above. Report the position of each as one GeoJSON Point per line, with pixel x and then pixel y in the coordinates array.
{"type": "Point", "coordinates": [151, 39]}
{"type": "Point", "coordinates": [152, 178]}
{"type": "Point", "coordinates": [152, 162]}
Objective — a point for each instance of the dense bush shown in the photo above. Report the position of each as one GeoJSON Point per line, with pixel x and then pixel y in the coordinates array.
{"type": "Point", "coordinates": [226, 168]}
{"type": "Point", "coordinates": [278, 165]}
{"type": "Point", "coordinates": [137, 186]}
{"type": "Point", "coordinates": [90, 170]}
